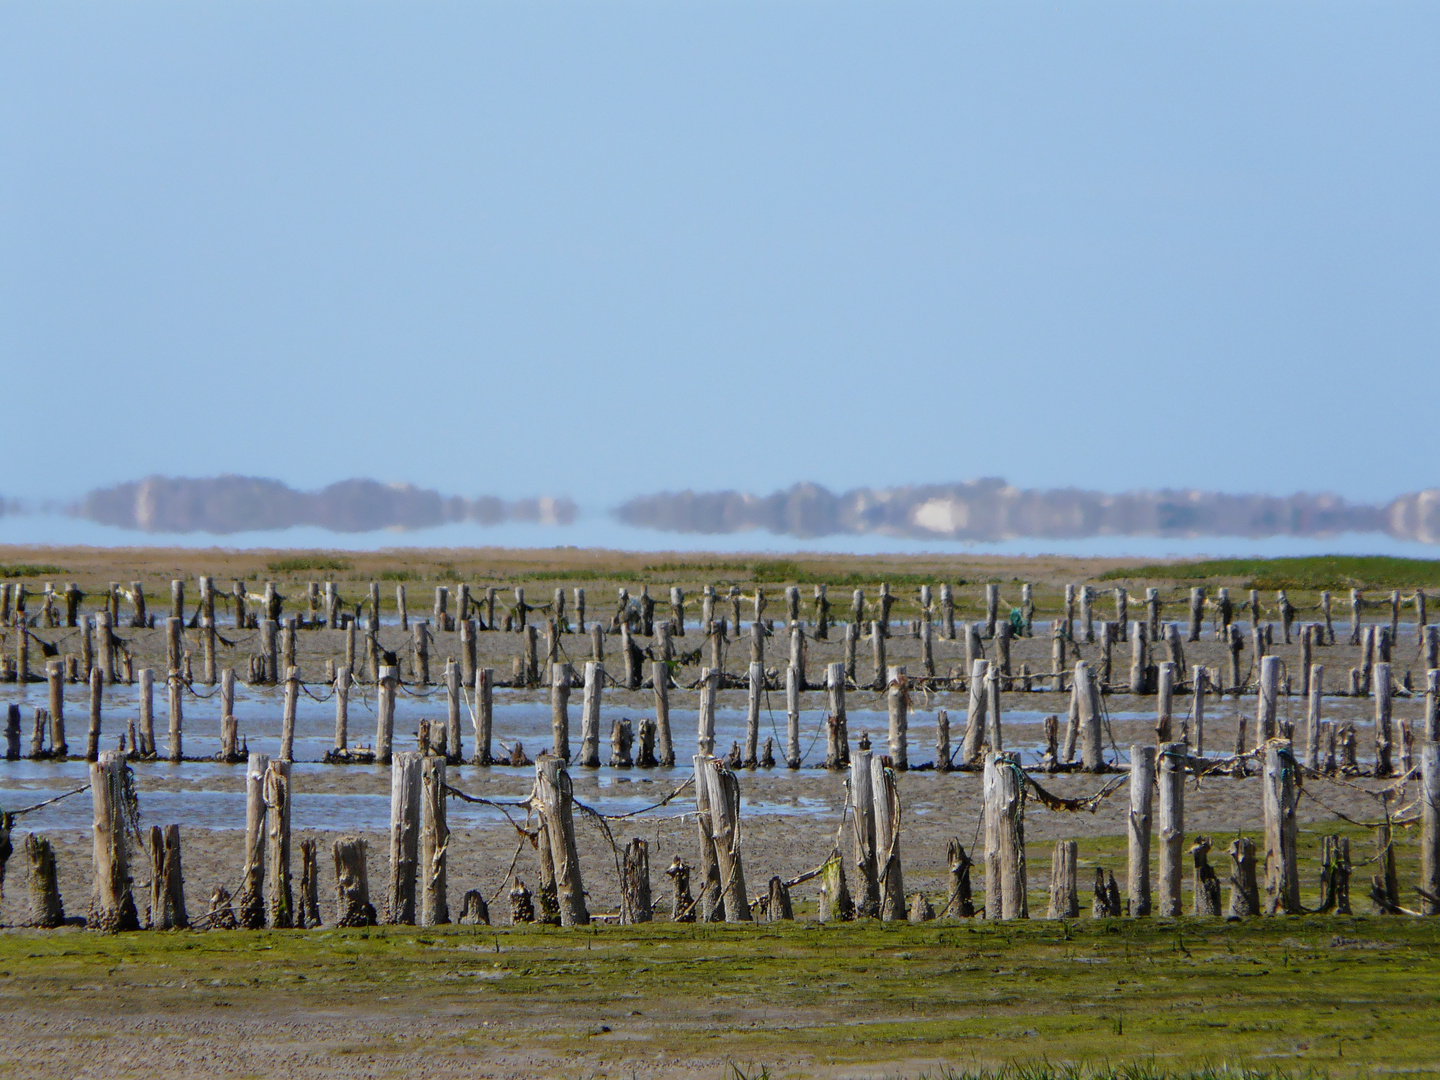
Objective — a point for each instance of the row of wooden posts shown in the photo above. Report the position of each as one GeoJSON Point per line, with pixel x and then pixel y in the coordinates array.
{"type": "Point", "coordinates": [1326, 746]}
{"type": "Point", "coordinates": [323, 602]}
{"type": "Point", "coordinates": [417, 889]}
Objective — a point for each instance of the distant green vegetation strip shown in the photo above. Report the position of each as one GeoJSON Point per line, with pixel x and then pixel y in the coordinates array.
{"type": "Point", "coordinates": [29, 569]}
{"type": "Point", "coordinates": [1312, 572]}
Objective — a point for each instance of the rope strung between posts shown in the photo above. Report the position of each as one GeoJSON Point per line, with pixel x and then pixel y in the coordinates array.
{"type": "Point", "coordinates": [47, 802]}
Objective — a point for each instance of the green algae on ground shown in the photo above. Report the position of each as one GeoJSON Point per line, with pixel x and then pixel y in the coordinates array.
{"type": "Point", "coordinates": [1311, 991]}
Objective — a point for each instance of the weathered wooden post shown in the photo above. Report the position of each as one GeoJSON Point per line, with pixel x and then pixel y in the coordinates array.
{"type": "Point", "coordinates": [342, 710]}
{"type": "Point", "coordinates": [400, 609]}
{"type": "Point", "coordinates": [105, 637]}
{"type": "Point", "coordinates": [405, 798]}
{"type": "Point", "coordinates": [1196, 736]}
{"type": "Point", "coordinates": [660, 680]}
{"type": "Point", "coordinates": [269, 652]}
{"type": "Point", "coordinates": [434, 843]}
{"type": "Point", "coordinates": [453, 750]}
{"type": "Point", "coordinates": [887, 841]}
{"type": "Point", "coordinates": [532, 655]}
{"type": "Point", "coordinates": [1164, 701]}
{"type": "Point", "coordinates": [947, 611]}
{"type": "Point", "coordinates": [1027, 608]}
{"type": "Point", "coordinates": [993, 734]}
{"type": "Point", "coordinates": [898, 701]}
{"type": "Point", "coordinates": [1197, 611]}
{"type": "Point", "coordinates": [484, 714]}
{"type": "Point", "coordinates": [1152, 613]}
{"type": "Point", "coordinates": [705, 717]}
{"type": "Point", "coordinates": [1122, 611]}
{"type": "Point", "coordinates": [877, 646]}
{"type": "Point", "coordinates": [797, 652]}
{"type": "Point", "coordinates": [1267, 702]}
{"type": "Point", "coordinates": [852, 639]}
{"type": "Point", "coordinates": [420, 636]}
{"type": "Point", "coordinates": [1244, 894]}
{"type": "Point", "coordinates": [942, 741]}
{"type": "Point", "coordinates": [554, 802]}
{"type": "Point", "coordinates": [1142, 789]}
{"type": "Point", "coordinates": [176, 687]}
{"type": "Point", "coordinates": [560, 676]}
{"type": "Point", "coordinates": [1312, 715]}
{"type": "Point", "coordinates": [1282, 872]}
{"type": "Point", "coordinates": [1057, 656]}
{"type": "Point", "coordinates": [1356, 602]}
{"type": "Point", "coordinates": [822, 613]}
{"type": "Point", "coordinates": [352, 883]}
{"type": "Point", "coordinates": [1205, 884]}
{"type": "Point", "coordinates": [970, 748]}
{"type": "Point", "coordinates": [635, 903]}
{"type": "Point", "coordinates": [677, 610]}
{"type": "Point", "coordinates": [590, 716]}
{"type": "Point", "coordinates": [1172, 760]}
{"type": "Point", "coordinates": [1139, 661]}
{"type": "Point", "coordinates": [752, 714]}
{"type": "Point", "coordinates": [1005, 875]}
{"type": "Point", "coordinates": [112, 907]}
{"type": "Point", "coordinates": [1064, 888]}
{"type": "Point", "coordinates": [279, 894]}
{"type": "Point", "coordinates": [1431, 726]}
{"type": "Point", "coordinates": [385, 708]}
{"type": "Point", "coordinates": [1430, 828]}
{"type": "Point", "coordinates": [1236, 641]}
{"type": "Point", "coordinates": [1087, 613]}
{"type": "Point", "coordinates": [723, 811]}
{"type": "Point", "coordinates": [792, 718]}
{"type": "Point", "coordinates": [597, 643]}
{"type": "Point", "coordinates": [467, 651]}
{"type": "Point", "coordinates": [1432, 648]}
{"type": "Point", "coordinates": [837, 734]}
{"type": "Point", "coordinates": [992, 609]}
{"type": "Point", "coordinates": [92, 741]}
{"type": "Point", "coordinates": [1092, 752]}
{"type": "Point", "coordinates": [1383, 734]}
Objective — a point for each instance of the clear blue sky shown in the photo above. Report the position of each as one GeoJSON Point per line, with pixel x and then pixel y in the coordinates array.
{"type": "Point", "coordinates": [599, 249]}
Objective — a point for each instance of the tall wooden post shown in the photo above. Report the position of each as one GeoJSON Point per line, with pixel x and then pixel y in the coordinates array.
{"type": "Point", "coordinates": [385, 719]}
{"type": "Point", "coordinates": [837, 735]}
{"type": "Point", "coordinates": [1092, 750]}
{"type": "Point", "coordinates": [1172, 827]}
{"type": "Point", "coordinates": [752, 714]}
{"type": "Point", "coordinates": [1384, 740]}
{"type": "Point", "coordinates": [279, 895]}
{"type": "Point", "coordinates": [898, 701]}
{"type": "Point", "coordinates": [560, 709]}
{"type": "Point", "coordinates": [1430, 827]}
{"type": "Point", "coordinates": [887, 841]}
{"type": "Point", "coordinates": [590, 715]}
{"type": "Point", "coordinates": [484, 714]}
{"type": "Point", "coordinates": [252, 880]}
{"type": "Point", "coordinates": [723, 796]}
{"type": "Point", "coordinates": [1005, 873]}
{"type": "Point", "coordinates": [1142, 790]}
{"type": "Point", "coordinates": [975, 717]}
{"type": "Point", "coordinates": [405, 774]}
{"type": "Point", "coordinates": [113, 903]}
{"type": "Point", "coordinates": [660, 681]}
{"type": "Point", "coordinates": [554, 799]}
{"type": "Point", "coordinates": [434, 843]}
{"type": "Point", "coordinates": [1282, 872]}
{"type": "Point", "coordinates": [1267, 702]}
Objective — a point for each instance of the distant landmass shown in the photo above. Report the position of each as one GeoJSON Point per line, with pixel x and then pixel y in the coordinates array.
{"type": "Point", "coordinates": [232, 504]}
{"type": "Point", "coordinates": [992, 510]}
